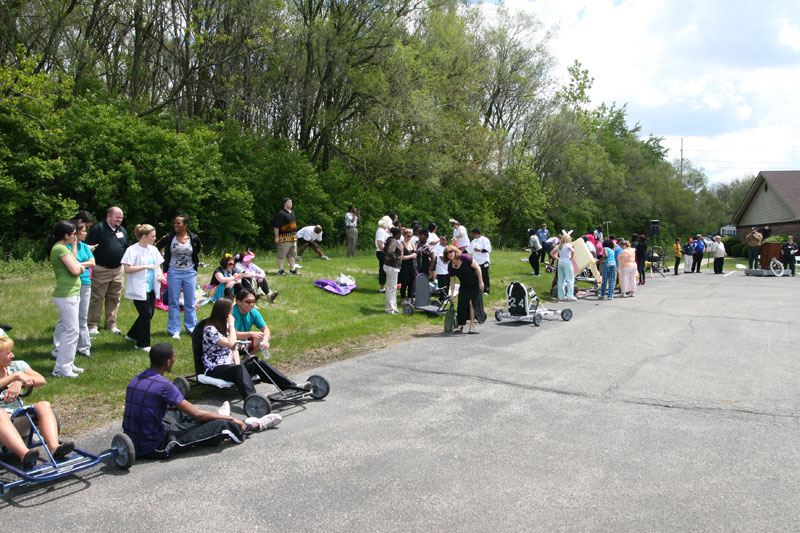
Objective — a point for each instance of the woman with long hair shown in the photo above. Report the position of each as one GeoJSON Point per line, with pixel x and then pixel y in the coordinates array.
{"type": "Point", "coordinates": [66, 296]}
{"type": "Point", "coordinates": [627, 269]}
{"type": "Point", "coordinates": [86, 258]}
{"type": "Point", "coordinates": [677, 251]}
{"type": "Point", "coordinates": [393, 251]}
{"type": "Point", "coordinates": [181, 255]}
{"type": "Point", "coordinates": [224, 281]}
{"type": "Point", "coordinates": [142, 263]}
{"type": "Point", "coordinates": [470, 294]}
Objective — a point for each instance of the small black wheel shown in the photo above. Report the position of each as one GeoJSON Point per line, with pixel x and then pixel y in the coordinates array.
{"type": "Point", "coordinates": [319, 387]}
{"type": "Point", "coordinates": [498, 315]}
{"type": "Point", "coordinates": [257, 405]}
{"type": "Point", "coordinates": [123, 452]}
{"type": "Point", "coordinates": [537, 320]}
{"type": "Point", "coordinates": [182, 385]}
{"type": "Point", "coordinates": [408, 309]}
{"type": "Point", "coordinates": [566, 315]}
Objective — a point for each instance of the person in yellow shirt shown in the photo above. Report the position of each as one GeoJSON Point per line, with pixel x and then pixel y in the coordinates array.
{"type": "Point", "coordinates": [677, 250]}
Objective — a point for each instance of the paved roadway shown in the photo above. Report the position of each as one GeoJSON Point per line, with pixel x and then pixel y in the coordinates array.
{"type": "Point", "coordinates": [676, 410]}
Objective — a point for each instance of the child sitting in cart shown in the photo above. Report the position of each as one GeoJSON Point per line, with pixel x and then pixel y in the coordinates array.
{"type": "Point", "coordinates": [14, 375]}
{"type": "Point", "coordinates": [157, 430]}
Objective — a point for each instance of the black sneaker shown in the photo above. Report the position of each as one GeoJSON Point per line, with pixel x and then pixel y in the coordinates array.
{"type": "Point", "coordinates": [281, 272]}
{"type": "Point", "coordinates": [30, 459]}
{"type": "Point", "coordinates": [294, 272]}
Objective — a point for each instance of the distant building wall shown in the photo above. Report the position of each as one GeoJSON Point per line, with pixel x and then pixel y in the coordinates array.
{"type": "Point", "coordinates": [779, 228]}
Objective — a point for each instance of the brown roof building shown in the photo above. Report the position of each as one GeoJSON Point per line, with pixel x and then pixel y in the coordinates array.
{"type": "Point", "coordinates": [773, 202]}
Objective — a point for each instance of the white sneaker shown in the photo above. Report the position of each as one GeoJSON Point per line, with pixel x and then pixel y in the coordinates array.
{"type": "Point", "coordinates": [265, 422]}
{"type": "Point", "coordinates": [77, 369]}
{"type": "Point", "coordinates": [144, 349]}
{"type": "Point", "coordinates": [129, 339]}
{"type": "Point", "coordinates": [176, 336]}
{"type": "Point", "coordinates": [224, 409]}
{"type": "Point", "coordinates": [325, 258]}
{"type": "Point", "coordinates": [115, 330]}
{"type": "Point", "coordinates": [298, 259]}
{"type": "Point", "coordinates": [571, 299]}
{"type": "Point", "coordinates": [94, 331]}
{"type": "Point", "coordinates": [296, 267]}
{"type": "Point", "coordinates": [68, 374]}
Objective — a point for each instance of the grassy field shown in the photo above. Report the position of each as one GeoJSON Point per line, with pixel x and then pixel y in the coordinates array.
{"type": "Point", "coordinates": [309, 327]}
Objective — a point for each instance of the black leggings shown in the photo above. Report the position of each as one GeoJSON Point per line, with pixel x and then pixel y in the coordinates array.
{"type": "Point", "coordinates": [533, 259]}
{"type": "Point", "coordinates": [381, 274]}
{"type": "Point", "coordinates": [677, 263]}
{"type": "Point", "coordinates": [140, 330]}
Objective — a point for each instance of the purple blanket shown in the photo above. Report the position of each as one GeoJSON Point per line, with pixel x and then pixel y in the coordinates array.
{"type": "Point", "coordinates": [335, 288]}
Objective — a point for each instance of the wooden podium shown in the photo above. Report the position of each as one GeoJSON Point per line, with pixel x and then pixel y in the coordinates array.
{"type": "Point", "coordinates": [768, 251]}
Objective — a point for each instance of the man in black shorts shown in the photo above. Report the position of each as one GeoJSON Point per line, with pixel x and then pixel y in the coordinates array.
{"type": "Point", "coordinates": [285, 228]}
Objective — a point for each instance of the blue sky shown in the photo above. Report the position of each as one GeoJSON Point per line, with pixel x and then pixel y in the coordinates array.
{"type": "Point", "coordinates": [722, 75]}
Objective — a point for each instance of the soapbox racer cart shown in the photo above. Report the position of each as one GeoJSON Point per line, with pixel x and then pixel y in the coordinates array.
{"type": "Point", "coordinates": [256, 405]}
{"type": "Point", "coordinates": [524, 305]}
{"type": "Point", "coordinates": [48, 468]}
{"type": "Point", "coordinates": [429, 299]}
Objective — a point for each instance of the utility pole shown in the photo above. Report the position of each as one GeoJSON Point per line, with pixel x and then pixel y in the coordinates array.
{"type": "Point", "coordinates": [681, 156]}
{"type": "Point", "coordinates": [607, 222]}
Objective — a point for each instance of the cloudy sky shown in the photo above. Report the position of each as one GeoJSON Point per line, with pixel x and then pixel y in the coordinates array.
{"type": "Point", "coordinates": [724, 75]}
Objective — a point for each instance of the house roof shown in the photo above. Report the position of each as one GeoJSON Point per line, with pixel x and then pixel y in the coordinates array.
{"type": "Point", "coordinates": [785, 183]}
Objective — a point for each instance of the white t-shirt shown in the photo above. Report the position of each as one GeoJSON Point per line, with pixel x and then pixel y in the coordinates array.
{"type": "Point", "coordinates": [380, 236]}
{"type": "Point", "coordinates": [432, 237]}
{"type": "Point", "coordinates": [307, 233]}
{"type": "Point", "coordinates": [460, 237]}
{"type": "Point", "coordinates": [481, 243]}
{"type": "Point", "coordinates": [135, 255]}
{"type": "Point", "coordinates": [564, 253]}
{"type": "Point", "coordinates": [719, 249]}
{"type": "Point", "coordinates": [441, 266]}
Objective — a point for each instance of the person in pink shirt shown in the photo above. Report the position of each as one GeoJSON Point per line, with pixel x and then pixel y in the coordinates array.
{"type": "Point", "coordinates": [627, 269]}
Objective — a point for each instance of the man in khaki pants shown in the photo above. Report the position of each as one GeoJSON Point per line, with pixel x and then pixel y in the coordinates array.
{"type": "Point", "coordinates": [107, 276]}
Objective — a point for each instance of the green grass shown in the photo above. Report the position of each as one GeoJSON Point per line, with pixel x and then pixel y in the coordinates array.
{"type": "Point", "coordinates": [309, 326]}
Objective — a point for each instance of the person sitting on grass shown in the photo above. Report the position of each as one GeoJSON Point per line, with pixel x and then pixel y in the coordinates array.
{"type": "Point", "coordinates": [252, 276]}
{"type": "Point", "coordinates": [224, 281]}
{"type": "Point", "coordinates": [160, 421]}
{"type": "Point", "coordinates": [245, 316]}
{"type": "Point", "coordinates": [309, 236]}
{"type": "Point", "coordinates": [14, 375]}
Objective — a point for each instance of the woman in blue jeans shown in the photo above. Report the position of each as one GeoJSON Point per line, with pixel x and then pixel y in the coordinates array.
{"type": "Point", "coordinates": [181, 249]}
{"type": "Point", "coordinates": [609, 270]}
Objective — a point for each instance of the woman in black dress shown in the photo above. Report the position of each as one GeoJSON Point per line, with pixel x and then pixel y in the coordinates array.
{"type": "Point", "coordinates": [408, 270]}
{"type": "Point", "coordinates": [470, 299]}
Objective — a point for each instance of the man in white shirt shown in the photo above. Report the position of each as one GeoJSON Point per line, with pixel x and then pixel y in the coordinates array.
{"type": "Point", "coordinates": [480, 248]}
{"type": "Point", "coordinates": [441, 267]}
{"type": "Point", "coordinates": [351, 229]}
{"type": "Point", "coordinates": [309, 236]}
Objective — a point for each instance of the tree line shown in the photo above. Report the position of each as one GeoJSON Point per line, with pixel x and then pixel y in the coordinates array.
{"type": "Point", "coordinates": [222, 109]}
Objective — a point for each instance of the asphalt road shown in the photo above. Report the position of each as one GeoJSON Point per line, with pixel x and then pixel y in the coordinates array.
{"type": "Point", "coordinates": [676, 410]}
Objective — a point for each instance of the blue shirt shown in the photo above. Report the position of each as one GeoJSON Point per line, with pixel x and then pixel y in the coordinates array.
{"type": "Point", "coordinates": [699, 246]}
{"type": "Point", "coordinates": [543, 235]}
{"type": "Point", "coordinates": [247, 321]}
{"type": "Point", "coordinates": [147, 399]}
{"type": "Point", "coordinates": [611, 257]}
{"type": "Point", "coordinates": [84, 254]}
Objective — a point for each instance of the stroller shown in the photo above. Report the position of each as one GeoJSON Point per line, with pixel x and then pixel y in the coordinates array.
{"type": "Point", "coordinates": [428, 298]}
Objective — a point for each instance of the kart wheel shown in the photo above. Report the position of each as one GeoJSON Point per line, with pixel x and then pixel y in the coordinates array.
{"type": "Point", "coordinates": [123, 452]}
{"type": "Point", "coordinates": [182, 385]}
{"type": "Point", "coordinates": [257, 405]}
{"type": "Point", "coordinates": [319, 387]}
{"type": "Point", "coordinates": [408, 309]}
{"type": "Point", "coordinates": [498, 315]}
{"type": "Point", "coordinates": [566, 315]}
{"type": "Point", "coordinates": [537, 320]}
{"type": "Point", "coordinates": [776, 267]}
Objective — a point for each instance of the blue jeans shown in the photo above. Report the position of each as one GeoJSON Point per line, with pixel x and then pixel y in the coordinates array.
{"type": "Point", "coordinates": [178, 280]}
{"type": "Point", "coordinates": [609, 279]}
{"type": "Point", "coordinates": [566, 276]}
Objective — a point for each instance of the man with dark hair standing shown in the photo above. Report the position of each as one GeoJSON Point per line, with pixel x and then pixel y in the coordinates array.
{"type": "Point", "coordinates": [160, 421]}
{"type": "Point", "coordinates": [111, 241]}
{"type": "Point", "coordinates": [285, 228]}
{"type": "Point", "coordinates": [351, 229]}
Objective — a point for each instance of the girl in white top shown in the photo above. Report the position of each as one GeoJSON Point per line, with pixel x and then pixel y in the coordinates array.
{"type": "Point", "coordinates": [566, 274]}
{"type": "Point", "coordinates": [380, 240]}
{"type": "Point", "coordinates": [142, 263]}
{"type": "Point", "coordinates": [460, 238]}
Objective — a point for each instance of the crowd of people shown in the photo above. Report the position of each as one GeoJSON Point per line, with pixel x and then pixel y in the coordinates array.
{"type": "Point", "coordinates": [93, 262]}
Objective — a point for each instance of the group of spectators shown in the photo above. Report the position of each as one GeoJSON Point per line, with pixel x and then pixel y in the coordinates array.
{"type": "Point", "coordinates": [405, 253]}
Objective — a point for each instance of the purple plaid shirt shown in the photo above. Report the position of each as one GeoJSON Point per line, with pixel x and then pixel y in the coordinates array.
{"type": "Point", "coordinates": [147, 399]}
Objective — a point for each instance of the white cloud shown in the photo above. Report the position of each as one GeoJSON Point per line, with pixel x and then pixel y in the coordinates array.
{"type": "Point", "coordinates": [722, 74]}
